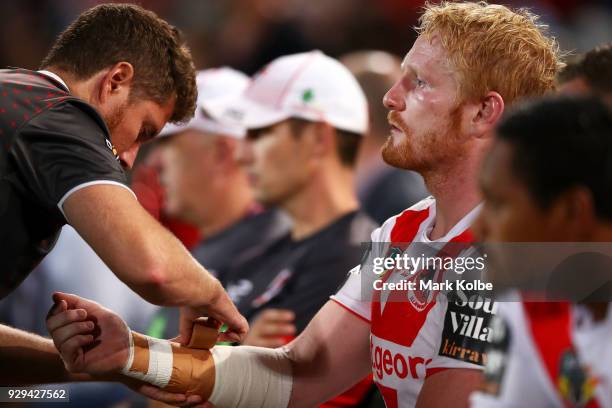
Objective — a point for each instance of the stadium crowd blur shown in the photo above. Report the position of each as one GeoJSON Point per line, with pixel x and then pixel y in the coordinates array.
{"type": "Point", "coordinates": [245, 35]}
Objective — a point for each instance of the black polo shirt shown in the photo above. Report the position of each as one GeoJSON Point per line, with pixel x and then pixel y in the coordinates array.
{"type": "Point", "coordinates": [299, 275]}
{"type": "Point", "coordinates": [51, 145]}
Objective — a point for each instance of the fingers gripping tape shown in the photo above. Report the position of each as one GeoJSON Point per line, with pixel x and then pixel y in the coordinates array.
{"type": "Point", "coordinates": [170, 366]}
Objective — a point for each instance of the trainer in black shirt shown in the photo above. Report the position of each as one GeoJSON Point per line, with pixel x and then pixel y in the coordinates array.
{"type": "Point", "coordinates": [111, 81]}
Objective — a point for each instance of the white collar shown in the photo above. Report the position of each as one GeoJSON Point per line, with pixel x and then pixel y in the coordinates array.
{"type": "Point", "coordinates": [54, 76]}
{"type": "Point", "coordinates": [462, 225]}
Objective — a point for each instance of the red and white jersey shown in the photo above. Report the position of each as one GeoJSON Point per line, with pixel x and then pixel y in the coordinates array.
{"type": "Point", "coordinates": [414, 334]}
{"type": "Point", "coordinates": [547, 355]}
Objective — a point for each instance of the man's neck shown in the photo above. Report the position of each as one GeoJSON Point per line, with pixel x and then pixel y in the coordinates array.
{"type": "Point", "coordinates": [456, 192]}
{"type": "Point", "coordinates": [78, 88]}
{"type": "Point", "coordinates": [325, 199]}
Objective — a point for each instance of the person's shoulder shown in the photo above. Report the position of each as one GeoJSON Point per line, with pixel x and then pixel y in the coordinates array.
{"type": "Point", "coordinates": [71, 113]}
{"type": "Point", "coordinates": [414, 214]}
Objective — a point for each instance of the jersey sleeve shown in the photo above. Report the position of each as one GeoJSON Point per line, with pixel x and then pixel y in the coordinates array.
{"type": "Point", "coordinates": [64, 149]}
{"type": "Point", "coordinates": [356, 293]}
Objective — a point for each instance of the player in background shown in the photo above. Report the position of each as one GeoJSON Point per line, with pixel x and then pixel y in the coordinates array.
{"type": "Point", "coordinates": [553, 354]}
{"type": "Point", "coordinates": [589, 73]}
{"type": "Point", "coordinates": [206, 186]}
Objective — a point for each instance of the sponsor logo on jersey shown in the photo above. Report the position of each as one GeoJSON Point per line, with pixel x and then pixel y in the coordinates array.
{"type": "Point", "coordinates": [467, 328]}
{"type": "Point", "coordinates": [575, 382]}
{"type": "Point", "coordinates": [421, 296]}
{"type": "Point", "coordinates": [238, 290]}
{"type": "Point", "coordinates": [112, 148]}
{"type": "Point", "coordinates": [396, 362]}
{"type": "Point", "coordinates": [274, 288]}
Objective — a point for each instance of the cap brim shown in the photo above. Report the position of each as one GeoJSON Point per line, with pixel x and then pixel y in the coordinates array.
{"type": "Point", "coordinates": [252, 115]}
{"type": "Point", "coordinates": [171, 129]}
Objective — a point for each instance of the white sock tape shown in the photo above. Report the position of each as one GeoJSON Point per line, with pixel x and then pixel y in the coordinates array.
{"type": "Point", "coordinates": [161, 359]}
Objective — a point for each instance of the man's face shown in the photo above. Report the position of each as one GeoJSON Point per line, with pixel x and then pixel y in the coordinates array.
{"type": "Point", "coordinates": [510, 213]}
{"type": "Point", "coordinates": [424, 110]}
{"type": "Point", "coordinates": [187, 169]}
{"type": "Point", "coordinates": [133, 123]}
{"type": "Point", "coordinates": [277, 162]}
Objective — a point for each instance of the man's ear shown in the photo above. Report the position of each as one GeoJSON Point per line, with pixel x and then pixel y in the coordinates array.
{"type": "Point", "coordinates": [485, 114]}
{"type": "Point", "coordinates": [117, 81]}
{"type": "Point", "coordinates": [323, 138]}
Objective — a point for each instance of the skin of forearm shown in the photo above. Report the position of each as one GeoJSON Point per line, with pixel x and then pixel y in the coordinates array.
{"type": "Point", "coordinates": [178, 279]}
{"type": "Point", "coordinates": [139, 250]}
{"type": "Point", "coordinates": [31, 359]}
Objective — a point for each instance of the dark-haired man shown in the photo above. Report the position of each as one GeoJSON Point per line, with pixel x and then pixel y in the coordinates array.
{"type": "Point", "coordinates": [553, 354]}
{"type": "Point", "coordinates": [111, 81]}
{"type": "Point", "coordinates": [589, 73]}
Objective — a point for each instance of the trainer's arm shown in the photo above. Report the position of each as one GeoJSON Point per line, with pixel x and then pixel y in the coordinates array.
{"type": "Point", "coordinates": [31, 359]}
{"type": "Point", "coordinates": [144, 255]}
{"type": "Point", "coordinates": [140, 251]}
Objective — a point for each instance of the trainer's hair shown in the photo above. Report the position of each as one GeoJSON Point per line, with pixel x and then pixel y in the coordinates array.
{"type": "Point", "coordinates": [595, 67]}
{"type": "Point", "coordinates": [494, 49]}
{"type": "Point", "coordinates": [549, 134]}
{"type": "Point", "coordinates": [110, 33]}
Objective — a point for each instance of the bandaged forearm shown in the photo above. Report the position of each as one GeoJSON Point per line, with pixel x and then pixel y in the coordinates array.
{"type": "Point", "coordinates": [228, 377]}
{"type": "Point", "coordinates": [247, 376]}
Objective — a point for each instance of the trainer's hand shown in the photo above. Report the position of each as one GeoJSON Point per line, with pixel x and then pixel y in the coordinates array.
{"type": "Point", "coordinates": [271, 328]}
{"type": "Point", "coordinates": [222, 309]}
{"type": "Point", "coordinates": [90, 338]}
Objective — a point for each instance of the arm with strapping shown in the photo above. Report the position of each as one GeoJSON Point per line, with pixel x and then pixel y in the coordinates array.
{"type": "Point", "coordinates": [307, 371]}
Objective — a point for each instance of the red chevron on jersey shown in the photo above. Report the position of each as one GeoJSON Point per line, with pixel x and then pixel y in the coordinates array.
{"type": "Point", "coordinates": [407, 326]}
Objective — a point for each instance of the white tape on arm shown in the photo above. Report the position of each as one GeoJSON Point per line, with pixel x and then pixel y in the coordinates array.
{"type": "Point", "coordinates": [160, 362]}
{"type": "Point", "coordinates": [251, 377]}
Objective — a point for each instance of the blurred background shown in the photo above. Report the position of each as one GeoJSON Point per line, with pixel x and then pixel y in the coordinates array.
{"type": "Point", "coordinates": [248, 33]}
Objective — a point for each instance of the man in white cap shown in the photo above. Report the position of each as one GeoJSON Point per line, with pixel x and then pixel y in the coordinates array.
{"type": "Point", "coordinates": [306, 117]}
{"type": "Point", "coordinates": [303, 136]}
{"type": "Point", "coordinates": [205, 185]}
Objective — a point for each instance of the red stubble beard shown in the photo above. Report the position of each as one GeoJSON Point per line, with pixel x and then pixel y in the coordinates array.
{"type": "Point", "coordinates": [422, 153]}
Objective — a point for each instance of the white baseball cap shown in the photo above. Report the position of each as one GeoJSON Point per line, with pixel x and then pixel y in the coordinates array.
{"type": "Point", "coordinates": [310, 86]}
{"type": "Point", "coordinates": [216, 88]}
